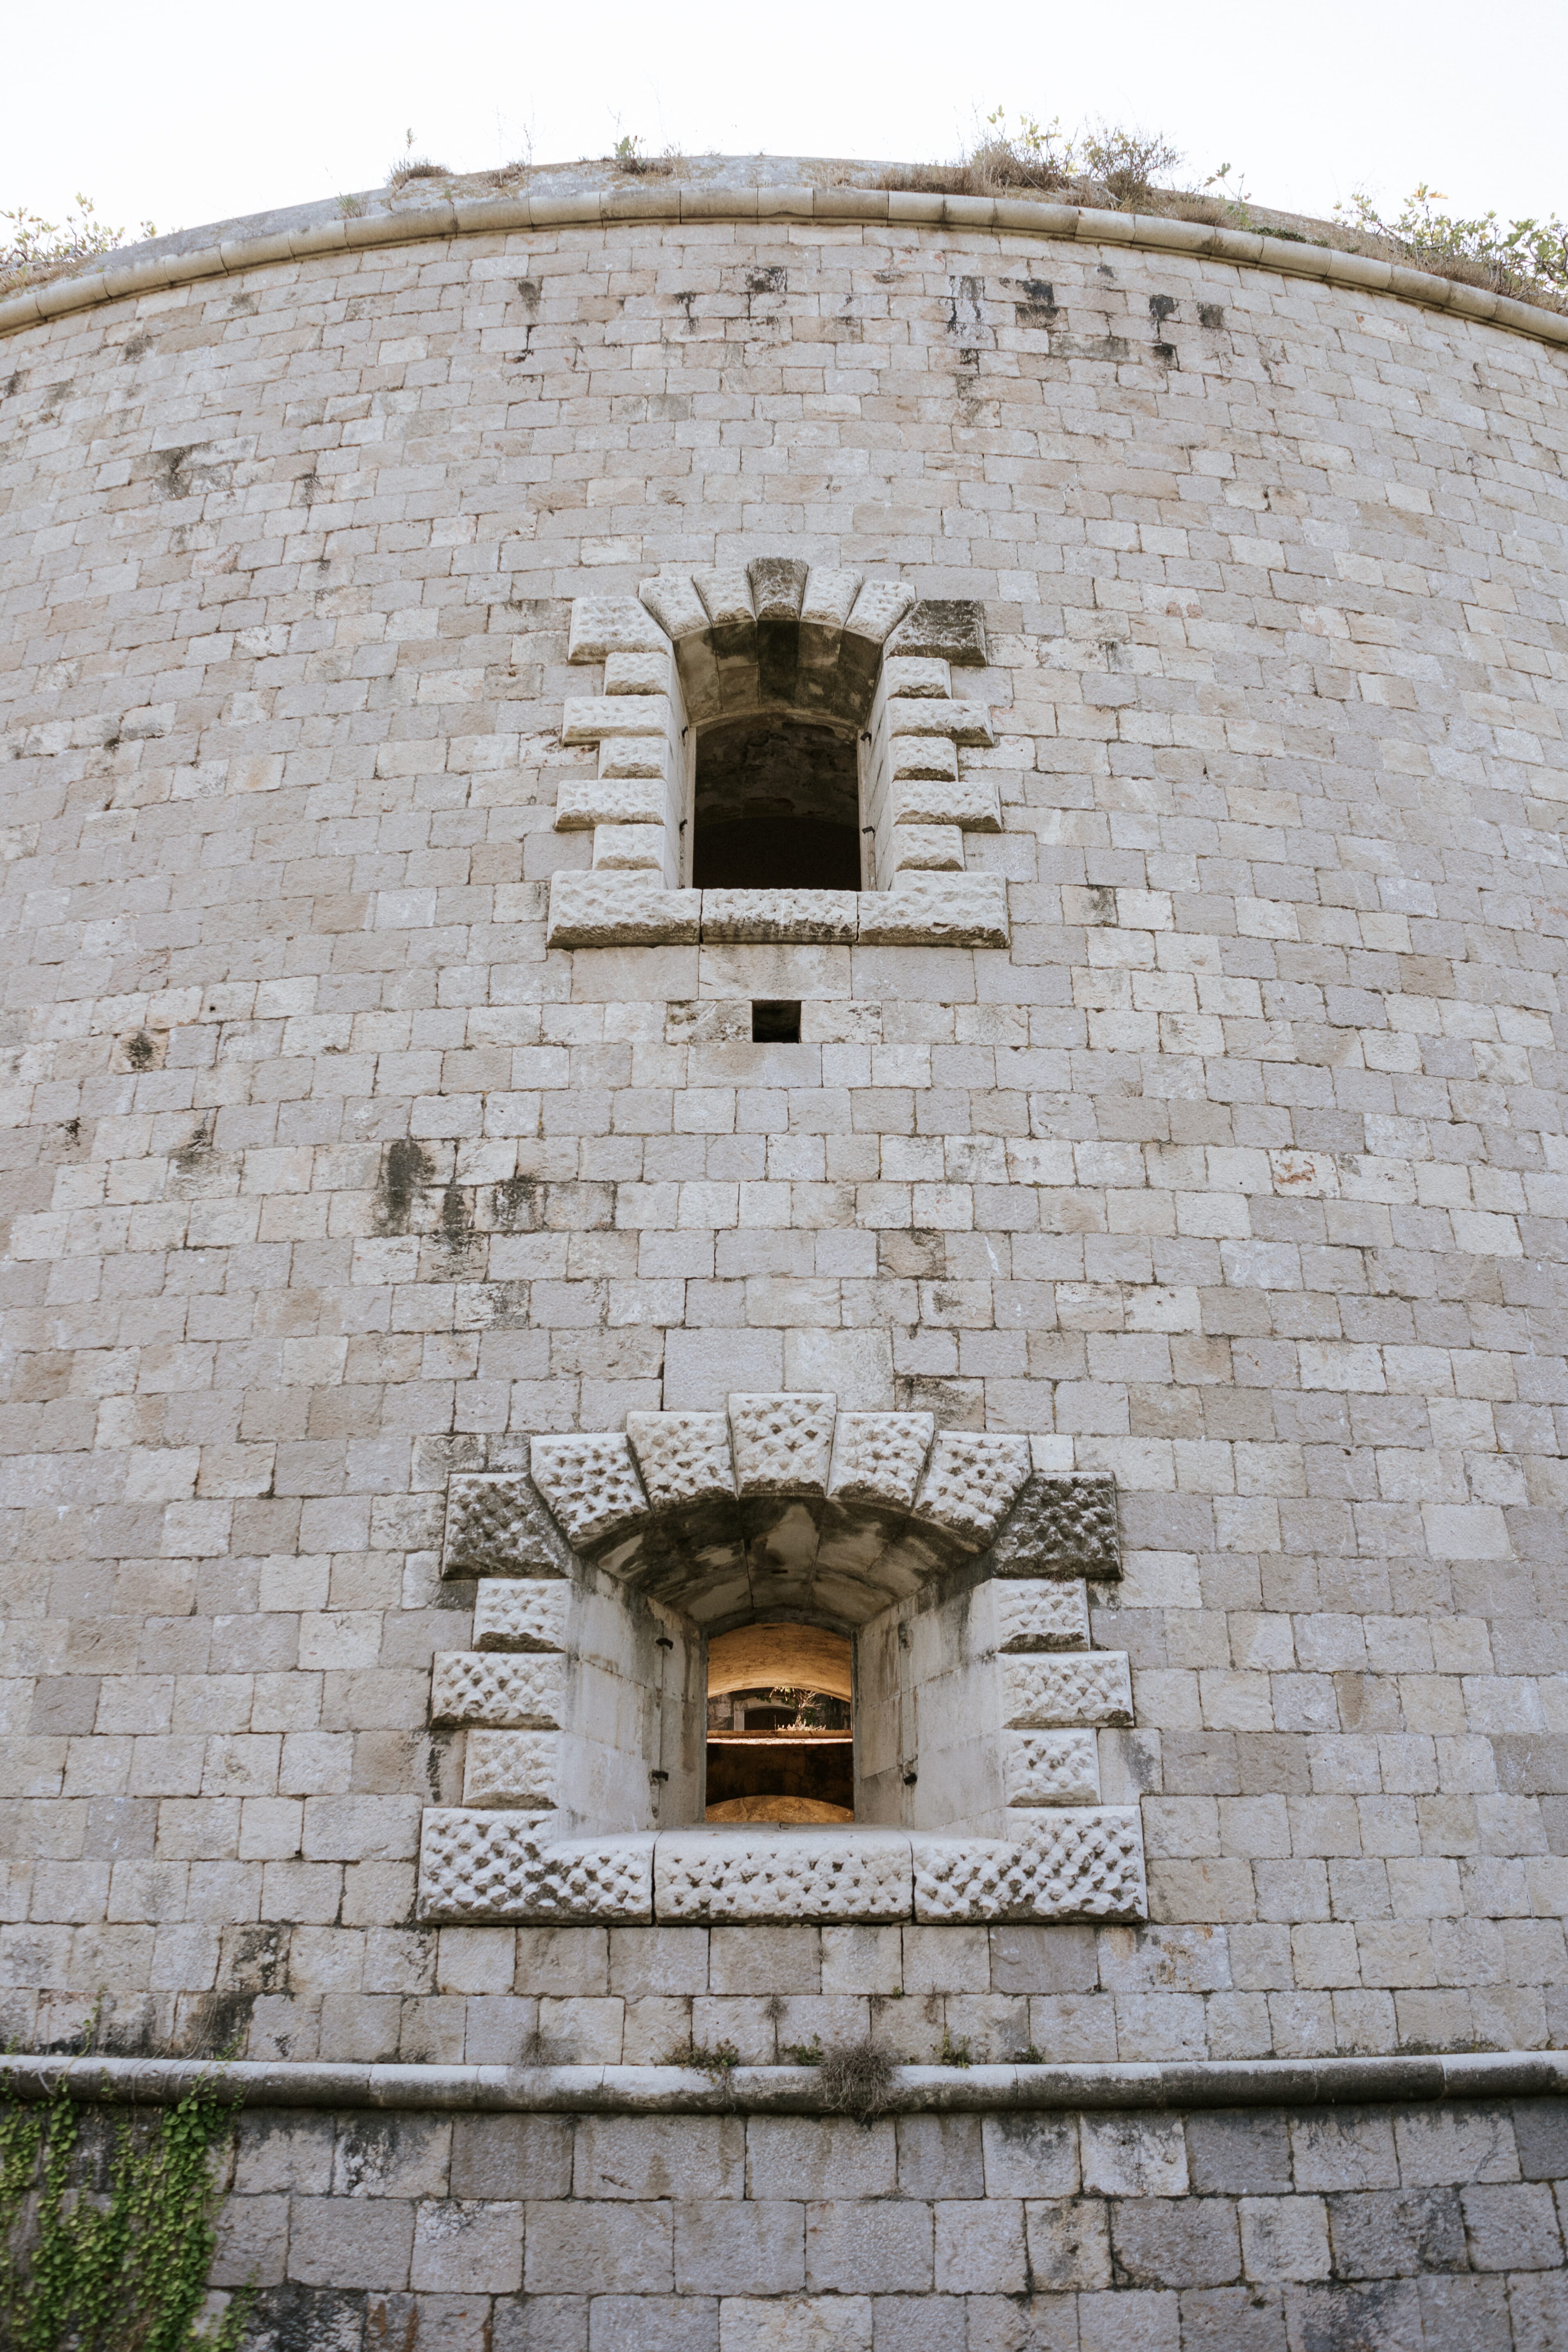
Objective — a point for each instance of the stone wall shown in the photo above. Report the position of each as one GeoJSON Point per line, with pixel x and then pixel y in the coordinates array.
{"type": "Point", "coordinates": [1237, 1173]}
{"type": "Point", "coordinates": [1015, 2232]}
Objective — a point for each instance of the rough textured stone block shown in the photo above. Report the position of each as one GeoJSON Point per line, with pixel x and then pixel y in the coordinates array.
{"type": "Point", "coordinates": [475, 1687]}
{"type": "Point", "coordinates": [779, 1874]}
{"type": "Point", "coordinates": [521, 1613]}
{"type": "Point", "coordinates": [498, 1526]}
{"type": "Point", "coordinates": [478, 1865]}
{"type": "Point", "coordinates": [1082, 1687]}
{"type": "Point", "coordinates": [1061, 1527]}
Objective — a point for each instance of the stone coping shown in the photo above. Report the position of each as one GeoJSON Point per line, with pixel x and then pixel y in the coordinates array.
{"type": "Point", "coordinates": [797, 2090]}
{"type": "Point", "coordinates": [487, 216]}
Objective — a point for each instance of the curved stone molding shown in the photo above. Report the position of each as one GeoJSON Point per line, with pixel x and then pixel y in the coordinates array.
{"type": "Point", "coordinates": [480, 216]}
{"type": "Point", "coordinates": [830, 645]}
{"type": "Point", "coordinates": [1085, 1864]}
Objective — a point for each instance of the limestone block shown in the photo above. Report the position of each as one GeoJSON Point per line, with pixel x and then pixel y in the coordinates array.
{"type": "Point", "coordinates": [1087, 1687]}
{"type": "Point", "coordinates": [588, 717]}
{"type": "Point", "coordinates": [674, 604]}
{"type": "Point", "coordinates": [972, 1482]}
{"type": "Point", "coordinates": [726, 594]}
{"type": "Point", "coordinates": [1061, 1527]}
{"type": "Point", "coordinates": [1032, 1614]}
{"type": "Point", "coordinates": [515, 1768]}
{"type": "Point", "coordinates": [877, 1457]}
{"type": "Point", "coordinates": [1038, 1768]}
{"type": "Point", "coordinates": [644, 673]}
{"type": "Point", "coordinates": [762, 1873]}
{"type": "Point", "coordinates": [503, 1865]}
{"type": "Point", "coordinates": [781, 1445]}
{"type": "Point", "coordinates": [957, 911]}
{"type": "Point", "coordinates": [585, 802]}
{"type": "Point", "coordinates": [879, 608]}
{"type": "Point", "coordinates": [924, 758]}
{"type": "Point", "coordinates": [591, 1483]}
{"type": "Point", "coordinates": [1085, 1864]}
{"type": "Point", "coordinates": [632, 910]}
{"type": "Point", "coordinates": [684, 1458]}
{"type": "Point", "coordinates": [817, 915]}
{"type": "Point", "coordinates": [778, 587]}
{"type": "Point", "coordinates": [628, 848]}
{"type": "Point", "coordinates": [922, 848]}
{"type": "Point", "coordinates": [829, 598]}
{"type": "Point", "coordinates": [622, 756]}
{"type": "Point", "coordinates": [965, 722]}
{"type": "Point", "coordinates": [524, 1612]}
{"type": "Point", "coordinates": [953, 628]}
{"type": "Point", "coordinates": [602, 626]}
{"type": "Point", "coordinates": [904, 675]}
{"type": "Point", "coordinates": [972, 802]}
{"type": "Point", "coordinates": [498, 1526]}
{"type": "Point", "coordinates": [505, 1692]}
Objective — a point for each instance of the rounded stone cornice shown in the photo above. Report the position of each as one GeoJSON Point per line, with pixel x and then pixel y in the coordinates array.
{"type": "Point", "coordinates": [685, 203]}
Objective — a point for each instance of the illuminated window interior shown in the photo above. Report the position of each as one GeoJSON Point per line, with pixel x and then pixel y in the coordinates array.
{"type": "Point", "coordinates": [781, 1736]}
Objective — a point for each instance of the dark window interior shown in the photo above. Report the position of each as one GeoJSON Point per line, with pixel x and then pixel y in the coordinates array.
{"type": "Point", "coordinates": [778, 807]}
{"type": "Point", "coordinates": [775, 1024]}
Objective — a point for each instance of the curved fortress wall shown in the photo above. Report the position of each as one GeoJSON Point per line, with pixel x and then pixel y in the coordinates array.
{"type": "Point", "coordinates": [1235, 1176]}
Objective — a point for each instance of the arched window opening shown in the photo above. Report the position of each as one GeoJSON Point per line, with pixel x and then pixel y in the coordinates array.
{"type": "Point", "coordinates": [781, 1736]}
{"type": "Point", "coordinates": [777, 807]}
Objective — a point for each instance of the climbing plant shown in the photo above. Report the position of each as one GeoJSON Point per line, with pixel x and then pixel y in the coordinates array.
{"type": "Point", "coordinates": [112, 2257]}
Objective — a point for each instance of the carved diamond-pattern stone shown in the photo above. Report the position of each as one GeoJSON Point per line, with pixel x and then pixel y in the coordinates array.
{"type": "Point", "coordinates": [1033, 1615]}
{"type": "Point", "coordinates": [479, 1866]}
{"type": "Point", "coordinates": [591, 1483]}
{"type": "Point", "coordinates": [510, 1767]}
{"type": "Point", "coordinates": [972, 1482]}
{"type": "Point", "coordinates": [524, 1612]}
{"type": "Point", "coordinates": [769, 1874]}
{"type": "Point", "coordinates": [1062, 1527]}
{"type": "Point", "coordinates": [1080, 1864]}
{"type": "Point", "coordinates": [783, 1445]}
{"type": "Point", "coordinates": [498, 1526]}
{"type": "Point", "coordinates": [1046, 1767]}
{"type": "Point", "coordinates": [877, 1457]}
{"type": "Point", "coordinates": [1087, 1687]}
{"type": "Point", "coordinates": [684, 1458]}
{"type": "Point", "coordinates": [476, 1686]}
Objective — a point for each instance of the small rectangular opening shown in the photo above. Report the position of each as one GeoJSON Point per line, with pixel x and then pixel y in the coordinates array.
{"type": "Point", "coordinates": [774, 1022]}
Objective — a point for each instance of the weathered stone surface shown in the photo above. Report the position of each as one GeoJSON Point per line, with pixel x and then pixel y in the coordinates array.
{"type": "Point", "coordinates": [584, 803]}
{"type": "Point", "coordinates": [511, 1768]}
{"type": "Point", "coordinates": [927, 788]}
{"type": "Point", "coordinates": [1061, 1527]}
{"type": "Point", "coordinates": [589, 718]}
{"type": "Point", "coordinates": [964, 722]}
{"type": "Point", "coordinates": [504, 1866]}
{"type": "Point", "coordinates": [498, 1526]}
{"type": "Point", "coordinates": [471, 1686]}
{"type": "Point", "coordinates": [1090, 1688]}
{"type": "Point", "coordinates": [609, 625]}
{"type": "Point", "coordinates": [781, 1445]}
{"type": "Point", "coordinates": [1084, 1864]}
{"type": "Point", "coordinates": [1038, 1615]}
{"type": "Point", "coordinates": [971, 1483]}
{"type": "Point", "coordinates": [683, 1457]}
{"type": "Point", "coordinates": [950, 628]}
{"type": "Point", "coordinates": [1050, 1768]}
{"type": "Point", "coordinates": [761, 1874]}
{"type": "Point", "coordinates": [591, 1483]}
{"type": "Point", "coordinates": [593, 910]}
{"type": "Point", "coordinates": [932, 910]}
{"type": "Point", "coordinates": [877, 1457]}
{"type": "Point", "coordinates": [824, 917]}
{"type": "Point", "coordinates": [521, 1613]}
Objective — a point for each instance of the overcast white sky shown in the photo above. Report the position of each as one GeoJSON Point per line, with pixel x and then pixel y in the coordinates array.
{"type": "Point", "coordinates": [184, 113]}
